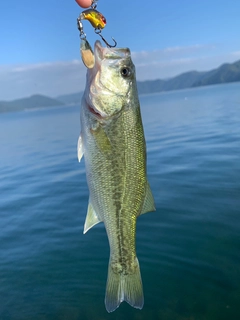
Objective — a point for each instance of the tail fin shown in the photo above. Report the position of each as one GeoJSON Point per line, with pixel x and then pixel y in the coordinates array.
{"type": "Point", "coordinates": [124, 287]}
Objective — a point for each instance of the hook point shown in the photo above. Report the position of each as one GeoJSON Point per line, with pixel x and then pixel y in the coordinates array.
{"type": "Point", "coordinates": [105, 41]}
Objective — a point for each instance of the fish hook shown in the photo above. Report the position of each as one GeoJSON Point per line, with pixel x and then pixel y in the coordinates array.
{"type": "Point", "coordinates": [98, 31]}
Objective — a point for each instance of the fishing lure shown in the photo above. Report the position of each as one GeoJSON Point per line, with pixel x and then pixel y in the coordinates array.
{"type": "Point", "coordinates": [98, 21]}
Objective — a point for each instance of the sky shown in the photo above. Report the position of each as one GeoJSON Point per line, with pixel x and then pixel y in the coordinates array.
{"type": "Point", "coordinates": [39, 40]}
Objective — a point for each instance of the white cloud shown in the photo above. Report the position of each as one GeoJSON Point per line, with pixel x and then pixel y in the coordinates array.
{"type": "Point", "coordinates": [169, 62]}
{"type": "Point", "coordinates": [236, 54]}
{"type": "Point", "coordinates": [58, 78]}
{"type": "Point", "coordinates": [177, 51]}
{"type": "Point", "coordinates": [192, 48]}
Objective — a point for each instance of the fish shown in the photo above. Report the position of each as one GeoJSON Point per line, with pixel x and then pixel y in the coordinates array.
{"type": "Point", "coordinates": [113, 145]}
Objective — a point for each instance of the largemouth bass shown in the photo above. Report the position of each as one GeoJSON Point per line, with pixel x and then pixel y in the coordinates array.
{"type": "Point", "coordinates": [112, 141]}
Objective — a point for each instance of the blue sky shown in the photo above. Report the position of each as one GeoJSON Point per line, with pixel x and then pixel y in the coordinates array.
{"type": "Point", "coordinates": [39, 43]}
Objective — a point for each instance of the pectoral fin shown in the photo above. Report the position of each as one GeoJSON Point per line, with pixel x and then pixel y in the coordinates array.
{"type": "Point", "coordinates": [102, 140]}
{"type": "Point", "coordinates": [91, 218]}
{"type": "Point", "coordinates": [148, 204]}
{"type": "Point", "coordinates": [80, 148]}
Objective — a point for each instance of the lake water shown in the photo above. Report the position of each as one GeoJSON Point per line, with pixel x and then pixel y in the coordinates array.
{"type": "Point", "coordinates": [189, 249]}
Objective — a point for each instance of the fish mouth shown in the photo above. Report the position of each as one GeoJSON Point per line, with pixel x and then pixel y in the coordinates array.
{"type": "Point", "coordinates": [113, 53]}
{"type": "Point", "coordinates": [95, 112]}
{"type": "Point", "coordinates": [98, 52]}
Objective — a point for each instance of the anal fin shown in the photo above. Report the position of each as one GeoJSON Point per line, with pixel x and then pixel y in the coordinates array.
{"type": "Point", "coordinates": [91, 218]}
{"type": "Point", "coordinates": [148, 204]}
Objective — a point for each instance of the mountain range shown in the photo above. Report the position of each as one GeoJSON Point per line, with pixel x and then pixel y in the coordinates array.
{"type": "Point", "coordinates": [228, 72]}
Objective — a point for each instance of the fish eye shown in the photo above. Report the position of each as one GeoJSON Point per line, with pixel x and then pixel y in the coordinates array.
{"type": "Point", "coordinates": [125, 72]}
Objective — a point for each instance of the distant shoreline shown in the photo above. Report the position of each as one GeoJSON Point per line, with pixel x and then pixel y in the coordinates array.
{"type": "Point", "coordinates": [226, 73]}
{"type": "Point", "coordinates": [77, 103]}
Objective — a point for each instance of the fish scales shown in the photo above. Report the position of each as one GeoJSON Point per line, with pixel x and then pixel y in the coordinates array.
{"type": "Point", "coordinates": [120, 194]}
{"type": "Point", "coordinates": [112, 141]}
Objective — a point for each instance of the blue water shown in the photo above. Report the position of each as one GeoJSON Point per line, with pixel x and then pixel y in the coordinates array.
{"type": "Point", "coordinates": [189, 249]}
